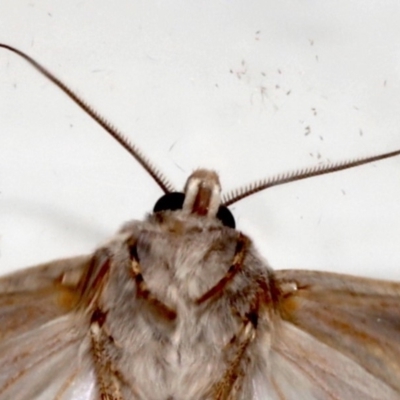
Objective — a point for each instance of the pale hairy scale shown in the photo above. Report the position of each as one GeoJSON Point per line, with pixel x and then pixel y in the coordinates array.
{"type": "Point", "coordinates": [181, 259]}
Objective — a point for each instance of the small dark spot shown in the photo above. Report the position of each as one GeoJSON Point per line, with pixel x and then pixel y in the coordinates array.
{"type": "Point", "coordinates": [99, 317]}
{"type": "Point", "coordinates": [279, 71]}
{"type": "Point", "coordinates": [361, 132]}
{"type": "Point", "coordinates": [288, 92]}
{"type": "Point", "coordinates": [316, 57]}
{"type": "Point", "coordinates": [311, 42]}
{"type": "Point", "coordinates": [133, 253]}
{"type": "Point", "coordinates": [139, 278]}
{"type": "Point", "coordinates": [253, 318]}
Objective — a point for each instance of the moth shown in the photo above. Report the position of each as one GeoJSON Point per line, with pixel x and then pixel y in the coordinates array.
{"type": "Point", "coordinates": [181, 306]}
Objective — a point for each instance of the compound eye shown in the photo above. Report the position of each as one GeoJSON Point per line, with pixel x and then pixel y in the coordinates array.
{"type": "Point", "coordinates": [174, 201]}
{"type": "Point", "coordinates": [226, 217]}
{"type": "Point", "coordinates": [170, 201]}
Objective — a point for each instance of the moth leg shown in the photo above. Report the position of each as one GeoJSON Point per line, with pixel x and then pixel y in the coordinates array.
{"type": "Point", "coordinates": [232, 379]}
{"type": "Point", "coordinates": [242, 245]}
{"type": "Point", "coordinates": [107, 378]}
{"type": "Point", "coordinates": [230, 384]}
{"type": "Point", "coordinates": [144, 292]}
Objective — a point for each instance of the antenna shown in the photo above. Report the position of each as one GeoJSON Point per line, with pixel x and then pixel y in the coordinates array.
{"type": "Point", "coordinates": [154, 172]}
{"type": "Point", "coordinates": [297, 175]}
{"type": "Point", "coordinates": [231, 197]}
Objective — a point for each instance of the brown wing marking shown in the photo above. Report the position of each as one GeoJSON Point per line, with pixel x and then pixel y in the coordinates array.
{"type": "Point", "coordinates": [43, 338]}
{"type": "Point", "coordinates": [343, 330]}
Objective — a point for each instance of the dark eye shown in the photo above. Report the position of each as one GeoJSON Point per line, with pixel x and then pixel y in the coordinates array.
{"type": "Point", "coordinates": [174, 201]}
{"type": "Point", "coordinates": [226, 217]}
{"type": "Point", "coordinates": [170, 201]}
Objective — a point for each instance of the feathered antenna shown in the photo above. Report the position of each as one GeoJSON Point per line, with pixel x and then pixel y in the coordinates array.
{"type": "Point", "coordinates": [154, 172]}
{"type": "Point", "coordinates": [230, 198]}
{"type": "Point", "coordinates": [297, 175]}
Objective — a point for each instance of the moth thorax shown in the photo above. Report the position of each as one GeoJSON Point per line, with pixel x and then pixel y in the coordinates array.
{"type": "Point", "coordinates": [202, 193]}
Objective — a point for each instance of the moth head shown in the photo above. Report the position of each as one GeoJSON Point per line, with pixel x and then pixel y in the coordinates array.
{"type": "Point", "coordinates": [202, 197]}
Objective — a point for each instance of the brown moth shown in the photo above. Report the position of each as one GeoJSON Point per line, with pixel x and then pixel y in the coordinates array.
{"type": "Point", "coordinates": [181, 306]}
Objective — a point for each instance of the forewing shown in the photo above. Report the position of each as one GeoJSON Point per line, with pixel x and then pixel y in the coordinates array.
{"type": "Point", "coordinates": [335, 337]}
{"type": "Point", "coordinates": [44, 343]}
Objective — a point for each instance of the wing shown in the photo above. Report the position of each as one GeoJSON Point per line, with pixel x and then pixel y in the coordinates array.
{"type": "Point", "coordinates": [44, 346]}
{"type": "Point", "coordinates": [336, 337]}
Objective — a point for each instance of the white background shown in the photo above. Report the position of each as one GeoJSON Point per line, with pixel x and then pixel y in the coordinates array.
{"type": "Point", "coordinates": [229, 85]}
